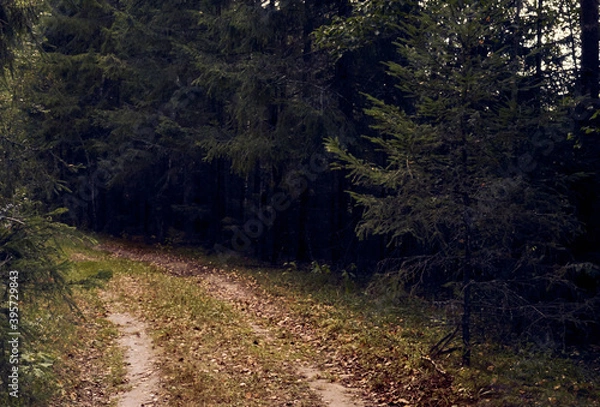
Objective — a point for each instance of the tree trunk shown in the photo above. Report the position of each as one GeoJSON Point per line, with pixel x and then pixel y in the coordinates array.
{"type": "Point", "coordinates": [589, 48]}
{"type": "Point", "coordinates": [466, 316]}
{"type": "Point", "coordinates": [588, 88]}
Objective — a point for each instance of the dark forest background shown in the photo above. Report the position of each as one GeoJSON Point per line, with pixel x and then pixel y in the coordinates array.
{"type": "Point", "coordinates": [465, 132]}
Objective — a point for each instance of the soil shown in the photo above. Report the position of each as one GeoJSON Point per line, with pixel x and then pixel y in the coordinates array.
{"type": "Point", "coordinates": [142, 373]}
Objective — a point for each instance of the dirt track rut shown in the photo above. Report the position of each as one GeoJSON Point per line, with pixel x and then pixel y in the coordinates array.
{"type": "Point", "coordinates": [142, 375]}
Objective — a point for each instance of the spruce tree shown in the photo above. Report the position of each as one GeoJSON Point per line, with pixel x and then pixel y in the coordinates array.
{"type": "Point", "coordinates": [30, 267]}
{"type": "Point", "coordinates": [470, 172]}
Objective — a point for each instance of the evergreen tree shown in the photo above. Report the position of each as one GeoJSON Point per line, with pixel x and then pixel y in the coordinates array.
{"type": "Point", "coordinates": [16, 19]}
{"type": "Point", "coordinates": [30, 269]}
{"type": "Point", "coordinates": [276, 107]}
{"type": "Point", "coordinates": [470, 172]}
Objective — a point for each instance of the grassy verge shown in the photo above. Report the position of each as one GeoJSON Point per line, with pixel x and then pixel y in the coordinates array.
{"type": "Point", "coordinates": [384, 345]}
{"type": "Point", "coordinates": [68, 354]}
{"type": "Point", "coordinates": [89, 366]}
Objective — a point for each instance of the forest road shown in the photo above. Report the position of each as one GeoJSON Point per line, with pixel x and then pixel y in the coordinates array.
{"type": "Point", "coordinates": [140, 359]}
{"type": "Point", "coordinates": [142, 373]}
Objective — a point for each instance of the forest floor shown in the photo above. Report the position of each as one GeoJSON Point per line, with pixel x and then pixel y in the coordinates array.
{"type": "Point", "coordinates": [172, 328]}
{"type": "Point", "coordinates": [142, 360]}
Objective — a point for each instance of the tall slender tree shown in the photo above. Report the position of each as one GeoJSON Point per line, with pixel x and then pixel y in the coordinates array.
{"type": "Point", "coordinates": [590, 31]}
